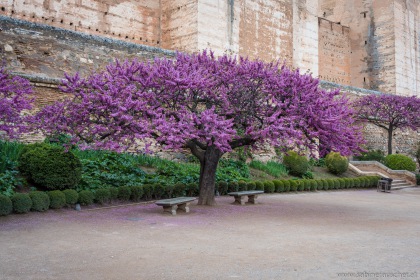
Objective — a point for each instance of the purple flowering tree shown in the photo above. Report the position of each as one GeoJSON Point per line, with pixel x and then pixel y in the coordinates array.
{"type": "Point", "coordinates": [205, 104]}
{"type": "Point", "coordinates": [14, 99]}
{"type": "Point", "coordinates": [389, 112]}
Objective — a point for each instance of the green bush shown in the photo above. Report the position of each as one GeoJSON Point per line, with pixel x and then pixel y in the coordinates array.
{"type": "Point", "coordinates": [148, 191]}
{"type": "Point", "coordinates": [296, 164]}
{"type": "Point", "coordinates": [57, 199]}
{"type": "Point", "coordinates": [314, 185]}
{"type": "Point", "coordinates": [308, 175]}
{"type": "Point", "coordinates": [102, 196]}
{"type": "Point", "coordinates": [22, 203]}
{"type": "Point", "coordinates": [242, 186]}
{"type": "Point", "coordinates": [124, 193]}
{"type": "Point", "coordinates": [273, 168]}
{"type": "Point", "coordinates": [301, 185]}
{"type": "Point", "coordinates": [418, 179]}
{"type": "Point", "coordinates": [71, 196]}
{"type": "Point", "coordinates": [223, 188]}
{"type": "Point", "coordinates": [286, 185]}
{"type": "Point", "coordinates": [136, 193]}
{"type": "Point", "coordinates": [269, 186]}
{"type": "Point", "coordinates": [250, 186]}
{"type": "Point", "coordinates": [40, 201]}
{"type": "Point", "coordinates": [233, 187]}
{"type": "Point", "coordinates": [6, 205]}
{"type": "Point", "coordinates": [337, 184]}
{"type": "Point", "coordinates": [86, 197]}
{"type": "Point", "coordinates": [336, 163]}
{"type": "Point", "coordinates": [279, 187]}
{"type": "Point", "coordinates": [319, 184]}
{"type": "Point", "coordinates": [371, 155]}
{"type": "Point", "coordinates": [293, 185]}
{"type": "Point", "coordinates": [400, 162]}
{"type": "Point", "coordinates": [113, 193]}
{"type": "Point", "coordinates": [179, 190]}
{"type": "Point", "coordinates": [259, 185]}
{"type": "Point", "coordinates": [193, 190]}
{"type": "Point", "coordinates": [159, 191]}
{"type": "Point", "coordinates": [50, 167]}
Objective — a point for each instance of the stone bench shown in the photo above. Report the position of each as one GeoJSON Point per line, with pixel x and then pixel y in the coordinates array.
{"type": "Point", "coordinates": [240, 196]}
{"type": "Point", "coordinates": [172, 204]}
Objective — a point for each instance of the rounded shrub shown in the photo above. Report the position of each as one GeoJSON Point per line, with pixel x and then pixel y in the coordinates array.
{"type": "Point", "coordinates": [233, 187]}
{"type": "Point", "coordinates": [222, 187]}
{"type": "Point", "coordinates": [301, 185]}
{"type": "Point", "coordinates": [242, 186]}
{"type": "Point", "coordinates": [279, 187]}
{"type": "Point", "coordinates": [293, 185]}
{"type": "Point", "coordinates": [137, 193]}
{"type": "Point", "coordinates": [250, 186]}
{"type": "Point", "coordinates": [326, 185]}
{"type": "Point", "coordinates": [71, 196]}
{"type": "Point", "coordinates": [286, 185]}
{"type": "Point", "coordinates": [148, 191]}
{"type": "Point", "coordinates": [336, 163]}
{"type": "Point", "coordinates": [21, 202]}
{"type": "Point", "coordinates": [259, 185]}
{"type": "Point", "coordinates": [296, 164]}
{"type": "Point", "coordinates": [313, 185]}
{"type": "Point", "coordinates": [193, 190]}
{"type": "Point", "coordinates": [124, 193]}
{"type": "Point", "coordinates": [57, 199]}
{"type": "Point", "coordinates": [400, 162]}
{"type": "Point", "coordinates": [113, 193]}
{"type": "Point", "coordinates": [320, 184]}
{"type": "Point", "coordinates": [6, 205]}
{"type": "Point", "coordinates": [86, 197]}
{"type": "Point", "coordinates": [102, 196]}
{"type": "Point", "coordinates": [50, 167]}
{"type": "Point", "coordinates": [40, 201]}
{"type": "Point", "coordinates": [269, 187]}
{"type": "Point", "coordinates": [159, 191]}
{"type": "Point", "coordinates": [178, 190]}
{"type": "Point", "coordinates": [337, 184]}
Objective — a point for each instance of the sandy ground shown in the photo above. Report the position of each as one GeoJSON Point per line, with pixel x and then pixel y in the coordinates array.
{"type": "Point", "coordinates": [286, 236]}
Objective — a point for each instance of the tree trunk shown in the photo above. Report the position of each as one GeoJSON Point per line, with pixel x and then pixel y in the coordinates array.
{"type": "Point", "coordinates": [390, 131]}
{"type": "Point", "coordinates": [208, 166]}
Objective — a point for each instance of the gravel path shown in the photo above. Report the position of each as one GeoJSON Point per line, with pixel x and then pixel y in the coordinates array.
{"type": "Point", "coordinates": [286, 236]}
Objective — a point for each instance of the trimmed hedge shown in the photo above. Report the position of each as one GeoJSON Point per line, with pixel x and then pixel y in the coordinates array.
{"type": "Point", "coordinates": [40, 201]}
{"type": "Point", "coordinates": [222, 187]}
{"type": "Point", "coordinates": [296, 164]}
{"type": "Point", "coordinates": [124, 193]}
{"type": "Point", "coordinates": [71, 196]}
{"type": "Point", "coordinates": [86, 197]}
{"type": "Point", "coordinates": [103, 196]}
{"type": "Point", "coordinates": [400, 162]}
{"type": "Point", "coordinates": [22, 203]}
{"type": "Point", "coordinates": [57, 199]}
{"type": "Point", "coordinates": [269, 187]}
{"type": "Point", "coordinates": [6, 205]}
{"type": "Point", "coordinates": [137, 193]}
{"type": "Point", "coordinates": [336, 163]}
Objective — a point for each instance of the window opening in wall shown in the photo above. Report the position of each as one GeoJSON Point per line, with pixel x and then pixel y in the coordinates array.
{"type": "Point", "coordinates": [364, 79]}
{"type": "Point", "coordinates": [365, 42]}
{"type": "Point", "coordinates": [3, 9]}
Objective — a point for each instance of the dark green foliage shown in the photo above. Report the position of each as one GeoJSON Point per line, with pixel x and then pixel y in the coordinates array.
{"type": "Point", "coordinates": [233, 187]}
{"type": "Point", "coordinates": [179, 190]}
{"type": "Point", "coordinates": [231, 169]}
{"type": "Point", "coordinates": [86, 197]}
{"type": "Point", "coordinates": [22, 203]}
{"type": "Point", "coordinates": [259, 185]}
{"type": "Point", "coordinates": [9, 179]}
{"type": "Point", "coordinates": [301, 185]}
{"type": "Point", "coordinates": [279, 187]}
{"type": "Point", "coordinates": [286, 184]}
{"type": "Point", "coordinates": [371, 155]}
{"type": "Point", "coordinates": [336, 183]}
{"type": "Point", "coordinates": [242, 186]}
{"type": "Point", "coordinates": [113, 193]}
{"type": "Point", "coordinates": [160, 191]}
{"type": "Point", "coordinates": [40, 201]}
{"type": "Point", "coordinates": [103, 196]}
{"type": "Point", "coordinates": [57, 199]}
{"type": "Point", "coordinates": [325, 184]}
{"type": "Point", "coordinates": [418, 179]}
{"type": "Point", "coordinates": [336, 163]}
{"type": "Point", "coordinates": [293, 185]}
{"type": "Point", "coordinates": [296, 164]}
{"type": "Point", "coordinates": [71, 196]}
{"type": "Point", "coordinates": [124, 193]}
{"type": "Point", "coordinates": [331, 184]}
{"type": "Point", "coordinates": [269, 186]}
{"type": "Point", "coordinates": [136, 193]}
{"type": "Point", "coordinates": [317, 162]}
{"type": "Point", "coordinates": [250, 186]}
{"type": "Point", "coordinates": [148, 191]}
{"type": "Point", "coordinates": [313, 185]}
{"type": "Point", "coordinates": [193, 190]}
{"type": "Point", "coordinates": [346, 183]}
{"type": "Point", "coordinates": [342, 183]}
{"type": "Point", "coordinates": [400, 162]}
{"type": "Point", "coordinates": [357, 182]}
{"type": "Point", "coordinates": [308, 175]}
{"type": "Point", "coordinates": [50, 166]}
{"type": "Point", "coordinates": [222, 187]}
{"type": "Point", "coordinates": [273, 168]}
{"type": "Point", "coordinates": [6, 205]}
{"type": "Point", "coordinates": [320, 184]}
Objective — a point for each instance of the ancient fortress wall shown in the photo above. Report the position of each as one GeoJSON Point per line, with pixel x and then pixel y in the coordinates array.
{"type": "Point", "coordinates": [353, 45]}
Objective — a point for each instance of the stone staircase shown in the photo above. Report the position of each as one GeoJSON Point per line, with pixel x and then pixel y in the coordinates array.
{"type": "Point", "coordinates": [401, 178]}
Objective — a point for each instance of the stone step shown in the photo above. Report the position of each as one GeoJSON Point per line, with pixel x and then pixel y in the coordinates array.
{"type": "Point", "coordinates": [402, 187]}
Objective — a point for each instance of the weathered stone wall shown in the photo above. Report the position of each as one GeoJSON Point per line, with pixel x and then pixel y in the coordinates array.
{"type": "Point", "coordinates": [334, 52]}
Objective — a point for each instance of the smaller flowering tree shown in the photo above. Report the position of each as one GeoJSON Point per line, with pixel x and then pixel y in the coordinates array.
{"type": "Point", "coordinates": [389, 112]}
{"type": "Point", "coordinates": [14, 99]}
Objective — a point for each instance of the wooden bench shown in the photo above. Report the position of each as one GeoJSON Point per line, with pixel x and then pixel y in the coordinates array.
{"type": "Point", "coordinates": [172, 204]}
{"type": "Point", "coordinates": [240, 196]}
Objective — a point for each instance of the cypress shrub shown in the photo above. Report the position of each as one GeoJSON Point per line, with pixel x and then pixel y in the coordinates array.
{"type": "Point", "coordinates": [103, 196]}
{"type": "Point", "coordinates": [71, 196]}
{"type": "Point", "coordinates": [293, 185]}
{"type": "Point", "coordinates": [86, 197]}
{"type": "Point", "coordinates": [136, 193]}
{"type": "Point", "coordinates": [296, 164]}
{"type": "Point", "coordinates": [40, 201]}
{"type": "Point", "coordinates": [286, 184]}
{"type": "Point", "coordinates": [242, 186]}
{"type": "Point", "coordinates": [279, 187]}
{"type": "Point", "coordinates": [336, 163]}
{"type": "Point", "coordinates": [250, 186]}
{"type": "Point", "coordinates": [313, 185]}
{"type": "Point", "coordinates": [222, 187]}
{"type": "Point", "coordinates": [301, 185]}
{"type": "Point", "coordinates": [57, 199]}
{"type": "Point", "coordinates": [148, 191]}
{"type": "Point", "coordinates": [6, 205]}
{"type": "Point", "coordinates": [21, 202]}
{"type": "Point", "coordinates": [233, 187]}
{"type": "Point", "coordinates": [269, 186]}
{"type": "Point", "coordinates": [124, 193]}
{"type": "Point", "coordinates": [259, 186]}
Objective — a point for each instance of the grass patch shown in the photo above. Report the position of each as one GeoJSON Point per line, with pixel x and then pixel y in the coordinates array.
{"type": "Point", "coordinates": [275, 169]}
